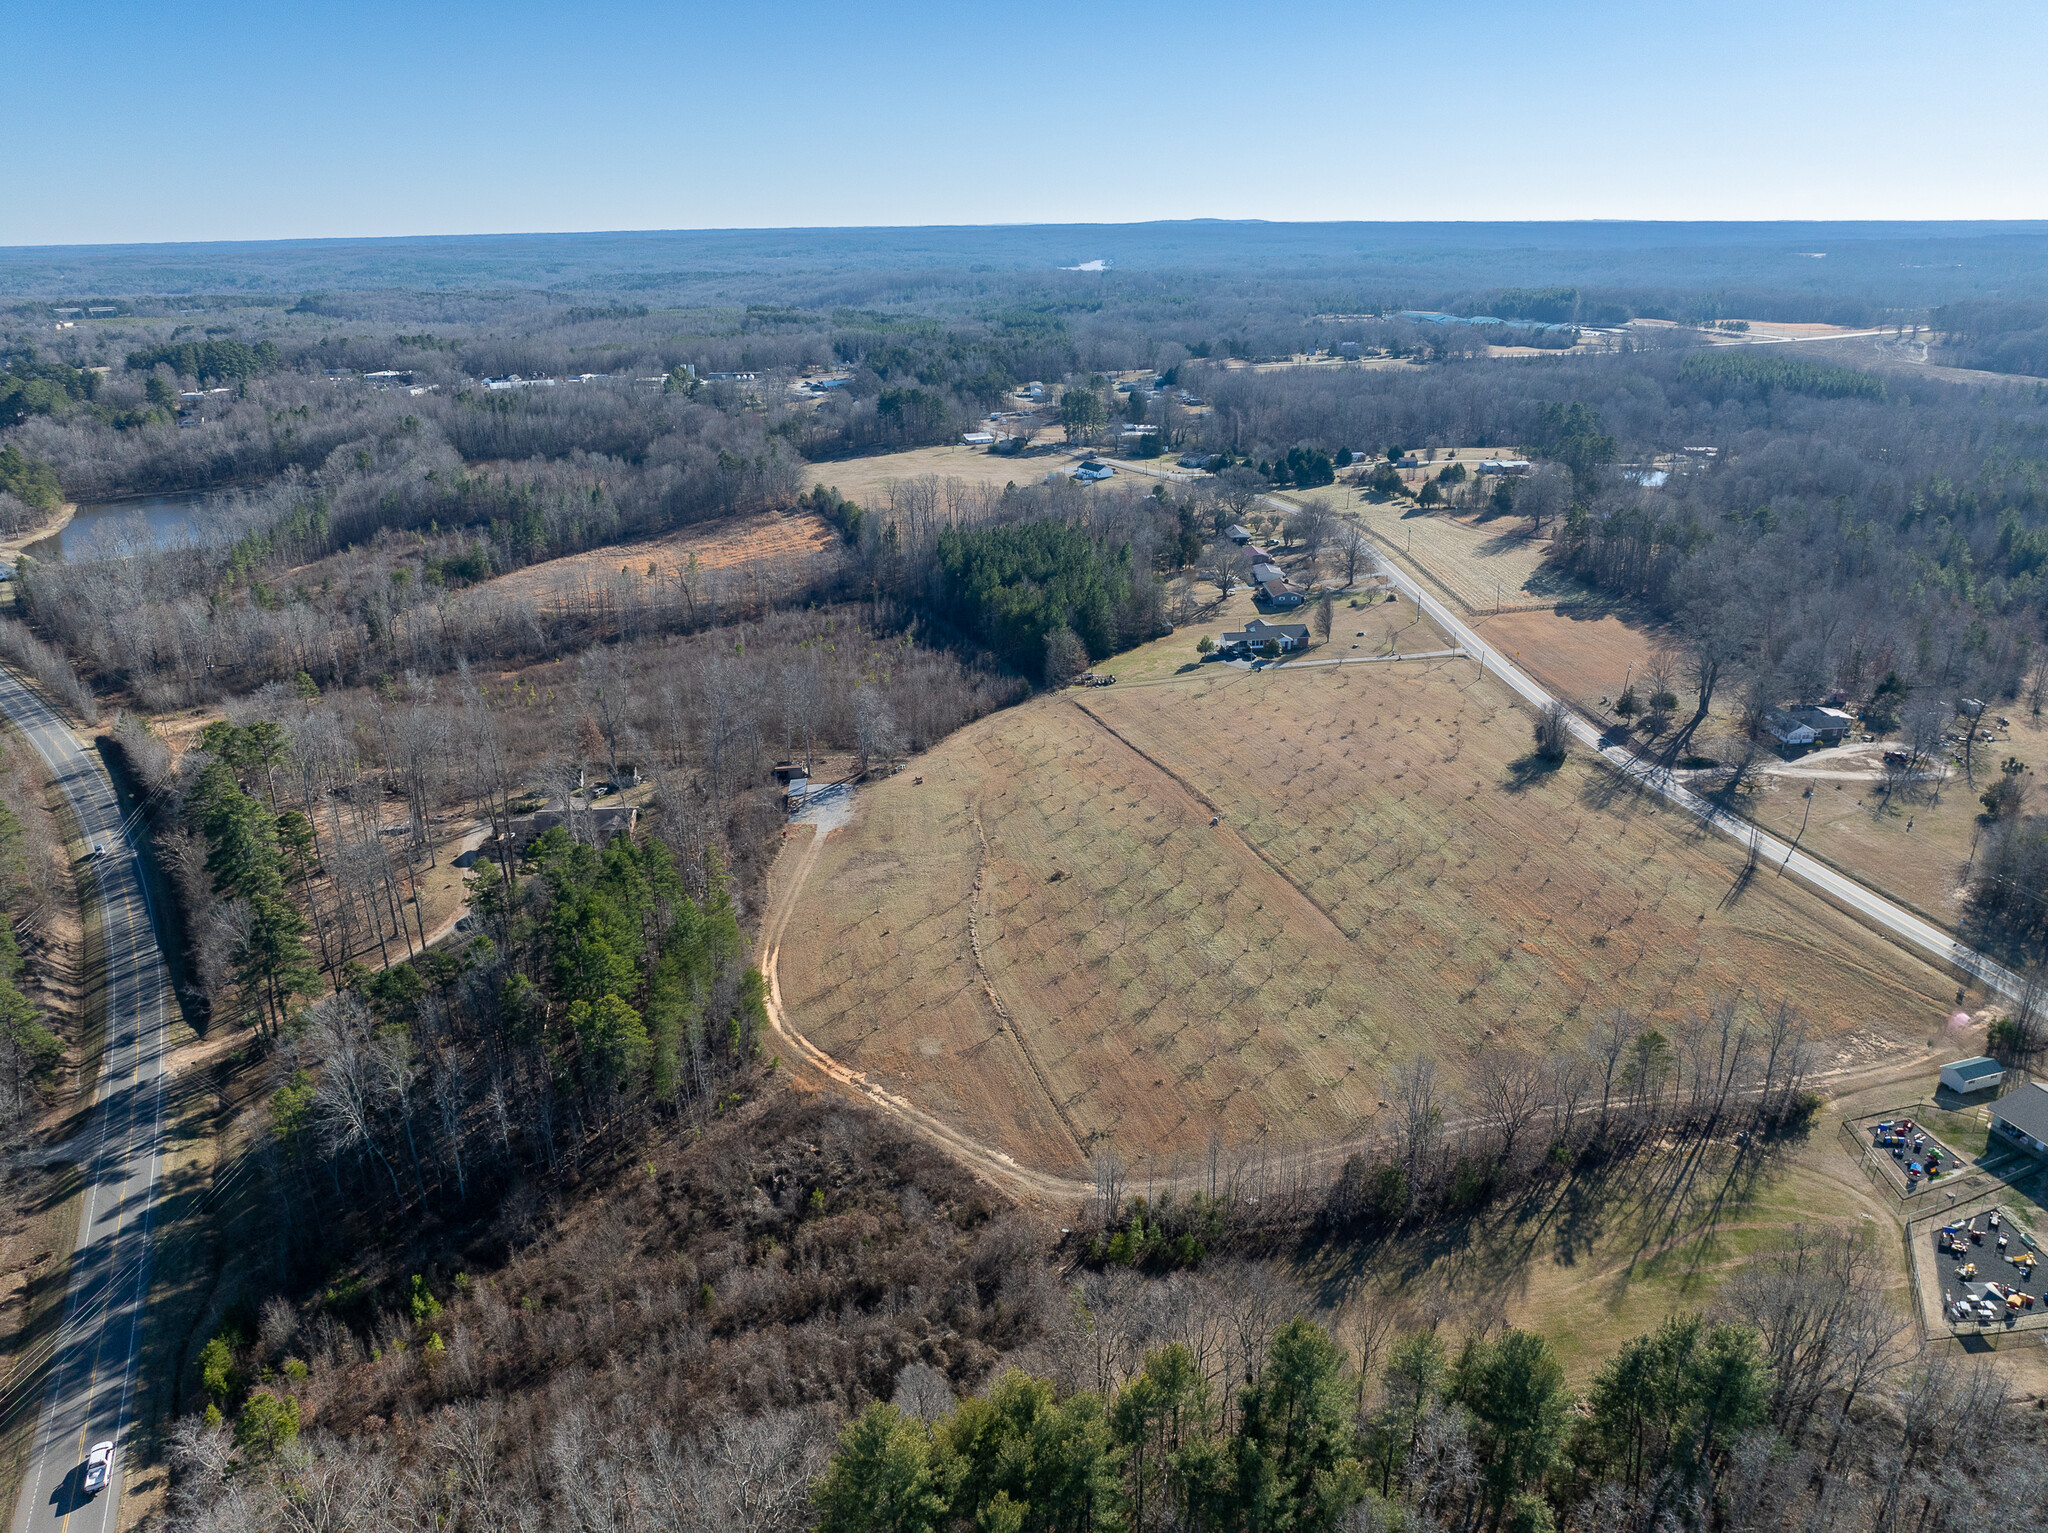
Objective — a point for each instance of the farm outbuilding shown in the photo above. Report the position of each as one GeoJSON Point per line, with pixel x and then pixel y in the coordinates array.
{"type": "Point", "coordinates": [1967, 1075]}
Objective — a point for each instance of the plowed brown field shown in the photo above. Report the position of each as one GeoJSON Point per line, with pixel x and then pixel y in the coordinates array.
{"type": "Point", "coordinates": [1046, 944]}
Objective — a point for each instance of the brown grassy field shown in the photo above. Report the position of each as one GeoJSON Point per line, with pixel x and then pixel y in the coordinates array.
{"type": "Point", "coordinates": [781, 539]}
{"type": "Point", "coordinates": [1479, 564]}
{"type": "Point", "coordinates": [1581, 654]}
{"type": "Point", "coordinates": [1046, 941]}
{"type": "Point", "coordinates": [865, 479]}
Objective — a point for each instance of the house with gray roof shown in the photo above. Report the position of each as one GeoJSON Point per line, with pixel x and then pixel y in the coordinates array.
{"type": "Point", "coordinates": [2020, 1118]}
{"type": "Point", "coordinates": [1291, 636]}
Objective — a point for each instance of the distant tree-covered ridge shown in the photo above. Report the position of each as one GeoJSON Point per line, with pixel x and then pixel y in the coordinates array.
{"type": "Point", "coordinates": [208, 361]}
{"type": "Point", "coordinates": [1998, 335]}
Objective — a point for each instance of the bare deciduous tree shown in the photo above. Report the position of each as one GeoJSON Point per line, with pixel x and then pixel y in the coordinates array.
{"type": "Point", "coordinates": [876, 737]}
{"type": "Point", "coordinates": [1508, 1089]}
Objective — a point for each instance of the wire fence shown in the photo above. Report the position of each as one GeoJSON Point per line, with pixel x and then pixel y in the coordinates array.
{"type": "Point", "coordinates": [1889, 1174]}
{"type": "Point", "coordinates": [1932, 1296]}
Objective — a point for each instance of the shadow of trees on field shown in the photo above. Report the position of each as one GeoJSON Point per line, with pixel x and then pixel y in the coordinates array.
{"type": "Point", "coordinates": [1525, 772]}
{"type": "Point", "coordinates": [1659, 1215]}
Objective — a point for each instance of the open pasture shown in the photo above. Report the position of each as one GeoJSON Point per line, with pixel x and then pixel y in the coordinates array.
{"type": "Point", "coordinates": [1579, 653]}
{"type": "Point", "coordinates": [1047, 943]}
{"type": "Point", "coordinates": [866, 480]}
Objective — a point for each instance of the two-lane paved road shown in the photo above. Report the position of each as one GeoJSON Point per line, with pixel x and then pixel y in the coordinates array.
{"type": "Point", "coordinates": [92, 1372]}
{"type": "Point", "coordinates": [1774, 856]}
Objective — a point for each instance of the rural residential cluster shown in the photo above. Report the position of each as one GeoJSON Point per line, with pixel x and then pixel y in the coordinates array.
{"type": "Point", "coordinates": [1225, 877]}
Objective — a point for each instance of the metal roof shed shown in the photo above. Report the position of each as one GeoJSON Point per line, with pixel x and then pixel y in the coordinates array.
{"type": "Point", "coordinates": [1967, 1075]}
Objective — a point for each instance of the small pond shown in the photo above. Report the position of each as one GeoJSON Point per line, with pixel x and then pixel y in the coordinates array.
{"type": "Point", "coordinates": [103, 529]}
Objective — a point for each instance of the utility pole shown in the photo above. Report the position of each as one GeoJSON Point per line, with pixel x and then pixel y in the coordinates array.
{"type": "Point", "coordinates": [1802, 832]}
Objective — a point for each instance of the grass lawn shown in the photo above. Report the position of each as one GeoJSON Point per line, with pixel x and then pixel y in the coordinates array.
{"type": "Point", "coordinates": [1918, 842]}
{"type": "Point", "coordinates": [1967, 1132]}
{"type": "Point", "coordinates": [1390, 628]}
{"type": "Point", "coordinates": [1597, 1257]}
{"type": "Point", "coordinates": [1594, 1259]}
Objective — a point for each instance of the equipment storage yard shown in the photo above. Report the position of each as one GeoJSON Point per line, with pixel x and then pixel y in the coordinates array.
{"type": "Point", "coordinates": [1035, 933]}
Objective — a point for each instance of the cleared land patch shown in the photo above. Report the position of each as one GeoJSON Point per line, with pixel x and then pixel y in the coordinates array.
{"type": "Point", "coordinates": [1382, 882]}
{"type": "Point", "coordinates": [1579, 654]}
{"type": "Point", "coordinates": [785, 540]}
{"type": "Point", "coordinates": [865, 480]}
{"type": "Point", "coordinates": [1482, 565]}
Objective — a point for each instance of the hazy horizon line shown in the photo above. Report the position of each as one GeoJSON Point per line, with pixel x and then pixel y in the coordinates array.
{"type": "Point", "coordinates": [1023, 226]}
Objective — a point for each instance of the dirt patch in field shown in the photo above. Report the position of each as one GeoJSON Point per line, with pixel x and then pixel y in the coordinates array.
{"type": "Point", "coordinates": [1047, 940]}
{"type": "Point", "coordinates": [787, 540]}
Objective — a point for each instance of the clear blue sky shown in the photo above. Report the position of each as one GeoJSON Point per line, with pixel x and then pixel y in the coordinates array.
{"type": "Point", "coordinates": [192, 121]}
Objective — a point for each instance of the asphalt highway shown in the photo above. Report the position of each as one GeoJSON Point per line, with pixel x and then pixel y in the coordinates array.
{"type": "Point", "coordinates": [91, 1377]}
{"type": "Point", "coordinates": [1775, 857]}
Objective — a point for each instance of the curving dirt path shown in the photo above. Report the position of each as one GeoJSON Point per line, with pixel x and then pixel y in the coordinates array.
{"type": "Point", "coordinates": [1020, 1181]}
{"type": "Point", "coordinates": [800, 856]}
{"type": "Point", "coordinates": [1009, 1023]}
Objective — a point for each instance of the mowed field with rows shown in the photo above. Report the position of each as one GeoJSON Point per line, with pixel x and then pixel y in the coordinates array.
{"type": "Point", "coordinates": [1048, 945]}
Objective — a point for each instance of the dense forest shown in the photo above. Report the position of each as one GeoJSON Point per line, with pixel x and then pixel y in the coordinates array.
{"type": "Point", "coordinates": [2003, 337]}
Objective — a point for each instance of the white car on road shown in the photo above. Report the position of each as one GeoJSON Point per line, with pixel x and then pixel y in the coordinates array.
{"type": "Point", "coordinates": [99, 1464]}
